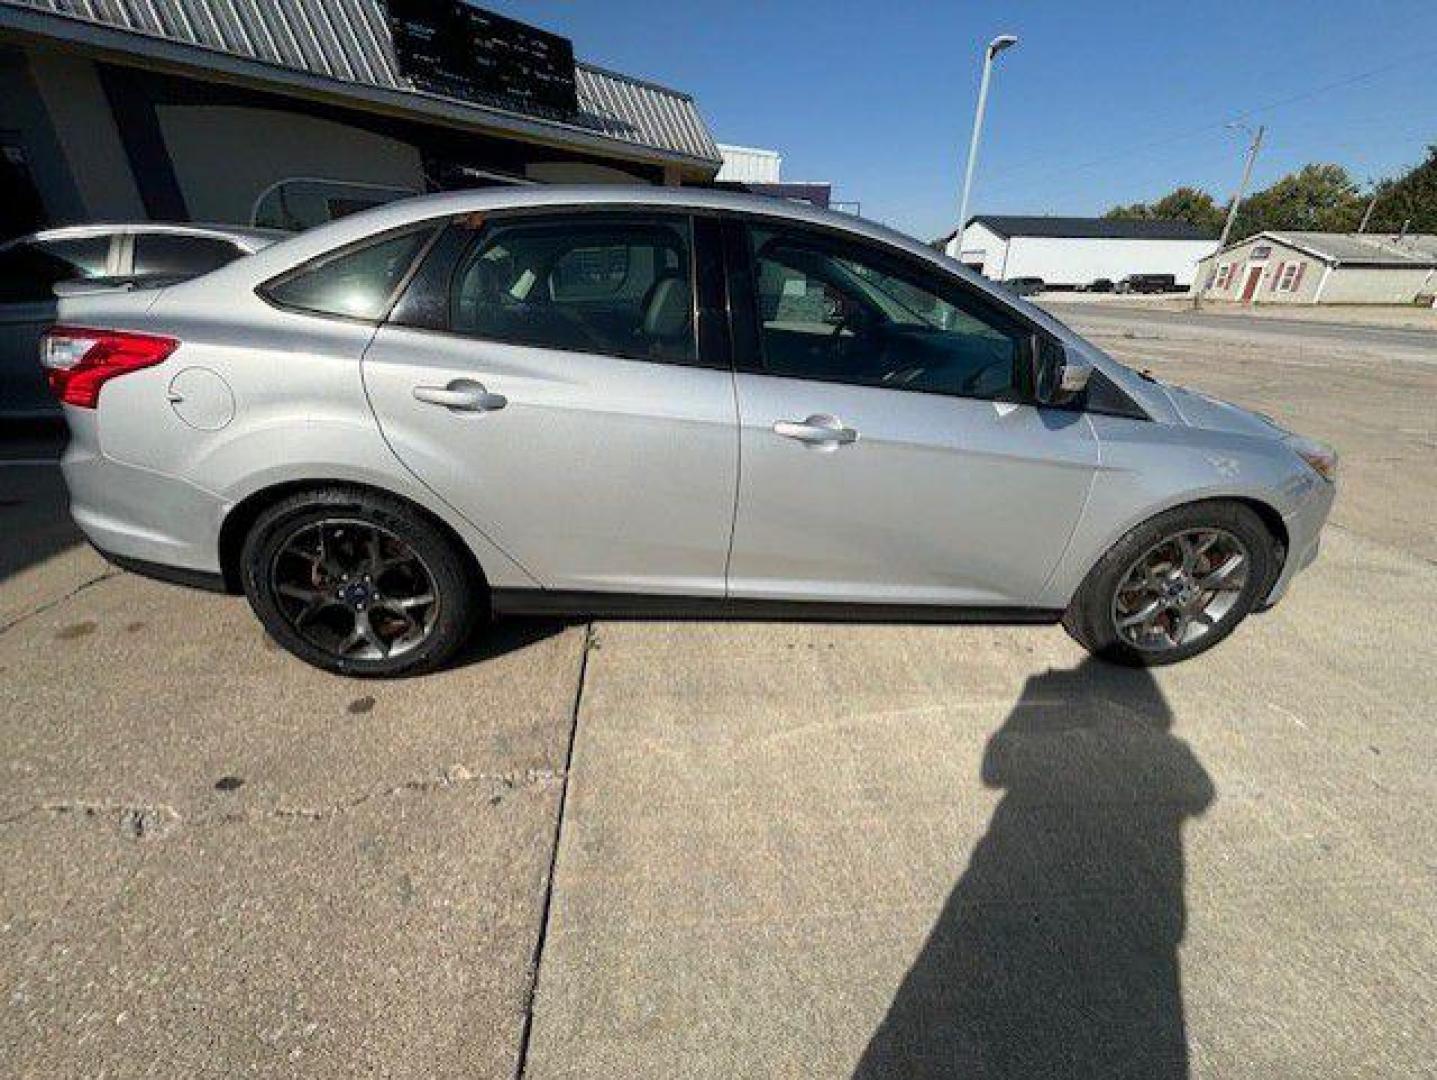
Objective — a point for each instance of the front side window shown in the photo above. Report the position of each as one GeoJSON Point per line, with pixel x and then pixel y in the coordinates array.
{"type": "Point", "coordinates": [585, 283]}
{"type": "Point", "coordinates": [834, 312]}
{"type": "Point", "coordinates": [357, 282]}
{"type": "Point", "coordinates": [181, 255]}
{"type": "Point", "coordinates": [29, 271]}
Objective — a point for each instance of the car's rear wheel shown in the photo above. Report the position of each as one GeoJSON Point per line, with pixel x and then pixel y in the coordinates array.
{"type": "Point", "coordinates": [358, 583]}
{"type": "Point", "coordinates": [1174, 586]}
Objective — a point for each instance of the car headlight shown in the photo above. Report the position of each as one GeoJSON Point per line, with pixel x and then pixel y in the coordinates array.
{"type": "Point", "coordinates": [1321, 457]}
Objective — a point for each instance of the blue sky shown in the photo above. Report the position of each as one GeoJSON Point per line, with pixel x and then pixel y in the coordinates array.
{"type": "Point", "coordinates": [1100, 102]}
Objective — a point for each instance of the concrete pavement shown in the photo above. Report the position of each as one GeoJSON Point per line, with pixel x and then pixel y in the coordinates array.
{"type": "Point", "coordinates": [214, 860]}
{"type": "Point", "coordinates": [785, 850]}
{"type": "Point", "coordinates": [967, 852]}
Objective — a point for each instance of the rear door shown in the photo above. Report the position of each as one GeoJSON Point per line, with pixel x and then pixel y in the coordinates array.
{"type": "Point", "coordinates": [544, 375]}
{"type": "Point", "coordinates": [890, 452]}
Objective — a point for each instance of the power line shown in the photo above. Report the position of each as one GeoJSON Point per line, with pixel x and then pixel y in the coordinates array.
{"type": "Point", "coordinates": [1219, 124]}
{"type": "Point", "coordinates": [1336, 85]}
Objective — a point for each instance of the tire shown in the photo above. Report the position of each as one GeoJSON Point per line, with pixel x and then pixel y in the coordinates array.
{"type": "Point", "coordinates": [320, 566]}
{"type": "Point", "coordinates": [1093, 617]}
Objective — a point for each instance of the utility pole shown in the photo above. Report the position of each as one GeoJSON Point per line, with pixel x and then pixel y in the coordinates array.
{"type": "Point", "coordinates": [997, 45]}
{"type": "Point", "coordinates": [1367, 215]}
{"type": "Point", "coordinates": [1200, 286]}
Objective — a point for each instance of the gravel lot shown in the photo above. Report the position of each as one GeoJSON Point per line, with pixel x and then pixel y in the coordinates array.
{"type": "Point", "coordinates": [642, 849]}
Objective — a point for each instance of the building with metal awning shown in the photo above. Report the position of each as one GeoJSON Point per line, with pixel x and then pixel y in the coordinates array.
{"type": "Point", "coordinates": [289, 112]}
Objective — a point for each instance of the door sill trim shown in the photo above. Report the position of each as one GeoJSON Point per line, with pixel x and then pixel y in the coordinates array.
{"type": "Point", "coordinates": [617, 605]}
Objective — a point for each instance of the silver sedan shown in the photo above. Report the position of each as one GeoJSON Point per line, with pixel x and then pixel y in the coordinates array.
{"type": "Point", "coordinates": [666, 403]}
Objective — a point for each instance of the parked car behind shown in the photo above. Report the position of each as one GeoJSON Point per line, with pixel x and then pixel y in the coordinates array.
{"type": "Point", "coordinates": [1101, 285]}
{"type": "Point", "coordinates": [1024, 286]}
{"type": "Point", "coordinates": [114, 256]}
{"type": "Point", "coordinates": [535, 400]}
{"type": "Point", "coordinates": [1148, 283]}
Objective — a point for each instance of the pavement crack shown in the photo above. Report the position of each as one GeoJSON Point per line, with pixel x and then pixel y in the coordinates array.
{"type": "Point", "coordinates": [137, 821]}
{"type": "Point", "coordinates": [144, 821]}
{"type": "Point", "coordinates": [48, 605]}
{"type": "Point", "coordinates": [521, 1065]}
{"type": "Point", "coordinates": [451, 776]}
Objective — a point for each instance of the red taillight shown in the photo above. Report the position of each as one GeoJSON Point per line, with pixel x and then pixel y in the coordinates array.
{"type": "Point", "coordinates": [78, 361]}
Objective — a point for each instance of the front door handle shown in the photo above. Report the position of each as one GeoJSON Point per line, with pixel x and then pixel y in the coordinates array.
{"type": "Point", "coordinates": [819, 430]}
{"type": "Point", "coordinates": [461, 395]}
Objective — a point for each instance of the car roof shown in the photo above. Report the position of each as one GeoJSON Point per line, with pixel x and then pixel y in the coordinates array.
{"type": "Point", "coordinates": [323, 240]}
{"type": "Point", "coordinates": [420, 208]}
{"type": "Point", "coordinates": [248, 237]}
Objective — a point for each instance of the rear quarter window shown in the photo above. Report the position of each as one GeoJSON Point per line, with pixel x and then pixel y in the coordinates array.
{"type": "Point", "coordinates": [356, 282]}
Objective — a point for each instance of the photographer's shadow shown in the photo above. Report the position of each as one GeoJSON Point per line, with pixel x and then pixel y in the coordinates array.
{"type": "Point", "coordinates": [1056, 955]}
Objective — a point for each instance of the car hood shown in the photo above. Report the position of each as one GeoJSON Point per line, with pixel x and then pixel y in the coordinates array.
{"type": "Point", "coordinates": [1201, 411]}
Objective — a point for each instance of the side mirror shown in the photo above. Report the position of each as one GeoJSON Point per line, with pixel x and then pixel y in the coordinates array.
{"type": "Point", "coordinates": [1056, 377]}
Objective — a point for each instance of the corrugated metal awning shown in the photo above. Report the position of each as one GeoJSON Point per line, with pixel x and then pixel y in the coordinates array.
{"type": "Point", "coordinates": [348, 41]}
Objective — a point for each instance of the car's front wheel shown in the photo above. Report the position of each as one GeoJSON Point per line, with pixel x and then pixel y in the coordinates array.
{"type": "Point", "coordinates": [1175, 585]}
{"type": "Point", "coordinates": [358, 583]}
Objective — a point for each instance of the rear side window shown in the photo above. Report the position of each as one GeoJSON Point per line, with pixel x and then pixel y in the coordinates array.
{"type": "Point", "coordinates": [614, 284]}
{"type": "Point", "coordinates": [30, 271]}
{"type": "Point", "coordinates": [357, 282]}
{"type": "Point", "coordinates": [177, 255]}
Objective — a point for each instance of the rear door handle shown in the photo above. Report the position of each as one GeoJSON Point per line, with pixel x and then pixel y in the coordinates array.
{"type": "Point", "coordinates": [820, 429]}
{"type": "Point", "coordinates": [461, 395]}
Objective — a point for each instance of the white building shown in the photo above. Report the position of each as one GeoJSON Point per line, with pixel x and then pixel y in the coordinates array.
{"type": "Point", "coordinates": [1324, 268]}
{"type": "Point", "coordinates": [749, 165]}
{"type": "Point", "coordinates": [748, 168]}
{"type": "Point", "coordinates": [1068, 252]}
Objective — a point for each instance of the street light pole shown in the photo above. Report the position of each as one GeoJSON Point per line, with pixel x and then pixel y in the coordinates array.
{"type": "Point", "coordinates": [997, 45]}
{"type": "Point", "coordinates": [1200, 286]}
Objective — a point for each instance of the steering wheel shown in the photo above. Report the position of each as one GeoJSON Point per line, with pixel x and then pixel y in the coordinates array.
{"type": "Point", "coordinates": [840, 312]}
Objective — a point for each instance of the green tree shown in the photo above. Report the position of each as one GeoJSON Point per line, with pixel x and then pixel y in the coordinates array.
{"type": "Point", "coordinates": [1133, 211]}
{"type": "Point", "coordinates": [1409, 199]}
{"type": "Point", "coordinates": [1316, 198]}
{"type": "Point", "coordinates": [1192, 205]}
{"type": "Point", "coordinates": [1188, 204]}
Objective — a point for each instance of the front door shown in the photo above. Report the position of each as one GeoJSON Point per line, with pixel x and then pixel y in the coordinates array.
{"type": "Point", "coordinates": [542, 375]}
{"type": "Point", "coordinates": [1254, 275]}
{"type": "Point", "coordinates": [889, 454]}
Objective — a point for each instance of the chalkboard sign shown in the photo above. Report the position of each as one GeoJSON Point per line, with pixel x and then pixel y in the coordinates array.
{"type": "Point", "coordinates": [452, 48]}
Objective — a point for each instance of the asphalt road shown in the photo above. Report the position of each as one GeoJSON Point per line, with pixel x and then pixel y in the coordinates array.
{"type": "Point", "coordinates": [740, 850]}
{"type": "Point", "coordinates": [1420, 346]}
